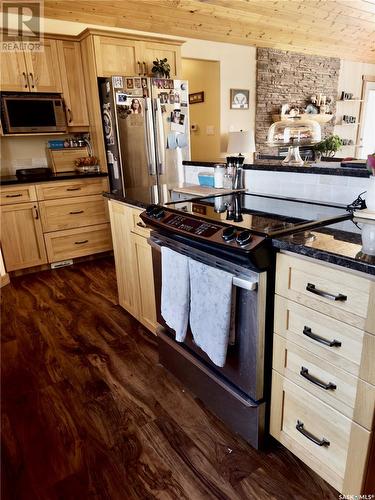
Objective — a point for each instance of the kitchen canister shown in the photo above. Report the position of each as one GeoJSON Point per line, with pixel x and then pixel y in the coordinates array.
{"type": "Point", "coordinates": [219, 171]}
{"type": "Point", "coordinates": [370, 194]}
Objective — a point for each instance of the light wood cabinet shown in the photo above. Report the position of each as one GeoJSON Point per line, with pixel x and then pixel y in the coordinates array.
{"type": "Point", "coordinates": [22, 236]}
{"type": "Point", "coordinates": [323, 375]}
{"type": "Point", "coordinates": [145, 285]}
{"type": "Point", "coordinates": [339, 453]}
{"type": "Point", "coordinates": [133, 258]}
{"type": "Point", "coordinates": [17, 194]}
{"type": "Point", "coordinates": [121, 56]}
{"type": "Point", "coordinates": [121, 225]}
{"type": "Point", "coordinates": [63, 220]}
{"type": "Point", "coordinates": [73, 85]}
{"type": "Point", "coordinates": [149, 51]}
{"type": "Point", "coordinates": [32, 71]}
{"type": "Point", "coordinates": [115, 56]}
{"type": "Point", "coordinates": [13, 72]}
{"type": "Point", "coordinates": [69, 213]}
{"type": "Point", "coordinates": [78, 242]}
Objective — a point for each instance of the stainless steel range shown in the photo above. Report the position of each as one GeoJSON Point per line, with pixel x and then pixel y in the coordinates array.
{"type": "Point", "coordinates": [232, 233]}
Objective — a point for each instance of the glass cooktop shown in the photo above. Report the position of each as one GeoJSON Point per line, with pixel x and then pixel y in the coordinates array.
{"type": "Point", "coordinates": [263, 215]}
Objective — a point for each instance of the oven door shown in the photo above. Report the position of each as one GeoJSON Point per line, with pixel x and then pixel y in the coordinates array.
{"type": "Point", "coordinates": [244, 366]}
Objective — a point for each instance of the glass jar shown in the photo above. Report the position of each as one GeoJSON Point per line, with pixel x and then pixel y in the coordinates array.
{"type": "Point", "coordinates": [219, 171]}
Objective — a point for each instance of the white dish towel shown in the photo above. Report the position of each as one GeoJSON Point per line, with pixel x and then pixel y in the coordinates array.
{"type": "Point", "coordinates": [210, 309]}
{"type": "Point", "coordinates": [175, 291]}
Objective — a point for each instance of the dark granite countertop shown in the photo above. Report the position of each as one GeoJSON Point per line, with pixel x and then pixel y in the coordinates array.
{"type": "Point", "coordinates": [339, 244]}
{"type": "Point", "coordinates": [276, 166]}
{"type": "Point", "coordinates": [137, 197]}
{"type": "Point", "coordinates": [12, 179]}
{"type": "Point", "coordinates": [349, 244]}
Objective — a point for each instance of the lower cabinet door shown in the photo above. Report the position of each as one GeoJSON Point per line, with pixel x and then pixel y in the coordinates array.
{"type": "Point", "coordinates": [145, 275]}
{"type": "Point", "coordinates": [126, 268]}
{"type": "Point", "coordinates": [21, 236]}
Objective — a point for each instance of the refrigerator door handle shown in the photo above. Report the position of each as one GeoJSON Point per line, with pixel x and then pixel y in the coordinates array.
{"type": "Point", "coordinates": [160, 146]}
{"type": "Point", "coordinates": [150, 146]}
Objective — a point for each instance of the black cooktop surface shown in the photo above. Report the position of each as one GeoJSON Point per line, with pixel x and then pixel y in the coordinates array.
{"type": "Point", "coordinates": [263, 215]}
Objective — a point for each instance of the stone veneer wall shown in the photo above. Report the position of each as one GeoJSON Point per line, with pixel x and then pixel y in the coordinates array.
{"type": "Point", "coordinates": [290, 77]}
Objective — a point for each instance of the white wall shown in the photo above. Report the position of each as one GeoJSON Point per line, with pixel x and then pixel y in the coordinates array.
{"type": "Point", "coordinates": [350, 80]}
{"type": "Point", "coordinates": [237, 70]}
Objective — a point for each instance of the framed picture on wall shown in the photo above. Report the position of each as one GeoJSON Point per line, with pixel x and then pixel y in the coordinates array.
{"type": "Point", "coordinates": [196, 97]}
{"type": "Point", "coordinates": [239, 98]}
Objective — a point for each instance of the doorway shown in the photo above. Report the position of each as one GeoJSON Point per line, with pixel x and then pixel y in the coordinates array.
{"type": "Point", "coordinates": [204, 76]}
{"type": "Point", "coordinates": [366, 133]}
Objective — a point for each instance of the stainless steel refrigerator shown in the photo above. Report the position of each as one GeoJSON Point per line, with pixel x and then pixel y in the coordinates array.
{"type": "Point", "coordinates": [146, 132]}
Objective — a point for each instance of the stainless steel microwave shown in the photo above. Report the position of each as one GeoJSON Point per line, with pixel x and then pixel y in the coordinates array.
{"type": "Point", "coordinates": [26, 113]}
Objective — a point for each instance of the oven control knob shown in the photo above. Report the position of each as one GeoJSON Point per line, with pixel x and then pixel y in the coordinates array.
{"type": "Point", "coordinates": [150, 209]}
{"type": "Point", "coordinates": [158, 213]}
{"type": "Point", "coordinates": [244, 237]}
{"type": "Point", "coordinates": [229, 233]}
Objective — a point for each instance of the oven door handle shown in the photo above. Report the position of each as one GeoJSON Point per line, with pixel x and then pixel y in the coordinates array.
{"type": "Point", "coordinates": [245, 284]}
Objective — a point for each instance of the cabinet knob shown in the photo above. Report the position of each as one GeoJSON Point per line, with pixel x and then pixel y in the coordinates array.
{"type": "Point", "coordinates": [139, 68]}
{"type": "Point", "coordinates": [144, 69]}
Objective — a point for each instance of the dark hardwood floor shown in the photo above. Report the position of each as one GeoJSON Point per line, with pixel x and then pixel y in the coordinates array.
{"type": "Point", "coordinates": [87, 412]}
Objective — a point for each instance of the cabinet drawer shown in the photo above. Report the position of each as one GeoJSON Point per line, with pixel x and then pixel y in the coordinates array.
{"type": "Point", "coordinates": [335, 387]}
{"type": "Point", "coordinates": [296, 416]}
{"type": "Point", "coordinates": [315, 331]}
{"type": "Point", "coordinates": [73, 212]}
{"type": "Point", "coordinates": [17, 194]}
{"type": "Point", "coordinates": [342, 295]}
{"type": "Point", "coordinates": [67, 189]}
{"type": "Point", "coordinates": [78, 242]}
{"type": "Point", "coordinates": [138, 226]}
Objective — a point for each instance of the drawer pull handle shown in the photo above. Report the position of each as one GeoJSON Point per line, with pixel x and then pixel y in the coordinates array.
{"type": "Point", "coordinates": [74, 189]}
{"type": "Point", "coordinates": [81, 242]}
{"type": "Point", "coordinates": [330, 343]}
{"type": "Point", "coordinates": [311, 288]}
{"type": "Point", "coordinates": [13, 195]}
{"type": "Point", "coordinates": [140, 224]}
{"type": "Point", "coordinates": [305, 374]}
{"type": "Point", "coordinates": [76, 212]}
{"type": "Point", "coordinates": [304, 432]}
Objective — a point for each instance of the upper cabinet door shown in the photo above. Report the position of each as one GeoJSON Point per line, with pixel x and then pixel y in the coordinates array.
{"type": "Point", "coordinates": [13, 72]}
{"type": "Point", "coordinates": [116, 56]}
{"type": "Point", "coordinates": [43, 68]}
{"type": "Point", "coordinates": [73, 85]}
{"type": "Point", "coordinates": [154, 50]}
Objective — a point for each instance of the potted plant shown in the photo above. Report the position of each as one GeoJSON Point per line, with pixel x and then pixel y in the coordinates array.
{"type": "Point", "coordinates": [161, 68]}
{"type": "Point", "coordinates": [328, 147]}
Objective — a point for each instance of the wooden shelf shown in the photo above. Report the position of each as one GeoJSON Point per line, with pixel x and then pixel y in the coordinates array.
{"type": "Point", "coordinates": [318, 117]}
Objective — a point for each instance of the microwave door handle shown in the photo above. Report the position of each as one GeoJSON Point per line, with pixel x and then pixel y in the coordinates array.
{"type": "Point", "coordinates": [150, 145]}
{"type": "Point", "coordinates": [160, 147]}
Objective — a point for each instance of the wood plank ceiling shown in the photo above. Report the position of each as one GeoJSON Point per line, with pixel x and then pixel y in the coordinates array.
{"type": "Point", "coordinates": [340, 28]}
